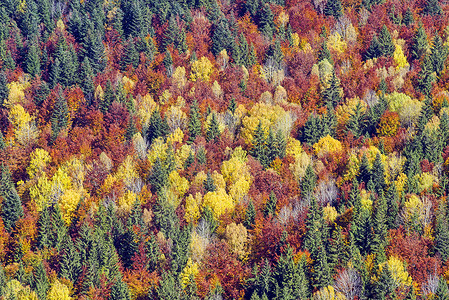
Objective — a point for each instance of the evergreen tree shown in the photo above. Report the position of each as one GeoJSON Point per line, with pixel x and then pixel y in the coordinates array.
{"type": "Point", "coordinates": [433, 8]}
{"type": "Point", "coordinates": [258, 150]}
{"type": "Point", "coordinates": [442, 292]}
{"type": "Point", "coordinates": [11, 205]}
{"type": "Point", "coordinates": [374, 50]}
{"type": "Point", "coordinates": [325, 53]}
{"type": "Point", "coordinates": [222, 37]}
{"type": "Point", "coordinates": [356, 122]}
{"type": "Point", "coordinates": [380, 225]}
{"type": "Point", "coordinates": [131, 56]}
{"type": "Point", "coordinates": [333, 8]}
{"type": "Point", "coordinates": [311, 131]}
{"type": "Point", "coordinates": [120, 291]}
{"type": "Point", "coordinates": [250, 215]}
{"type": "Point", "coordinates": [158, 177]}
{"type": "Point", "coordinates": [209, 185]}
{"type": "Point", "coordinates": [2, 141]}
{"type": "Point", "coordinates": [70, 260]}
{"type": "Point", "coordinates": [60, 116]}
{"type": "Point", "coordinates": [158, 127]}
{"type": "Point", "coordinates": [170, 34]}
{"type": "Point", "coordinates": [419, 43]}
{"type": "Point", "coordinates": [4, 90]}
{"type": "Point", "coordinates": [266, 21]}
{"type": "Point", "coordinates": [86, 82]}
{"type": "Point", "coordinates": [378, 175]}
{"type": "Point", "coordinates": [201, 156]}
{"type": "Point", "coordinates": [439, 54]}
{"type": "Point", "coordinates": [354, 195]}
{"type": "Point", "coordinates": [442, 233]}
{"type": "Point", "coordinates": [270, 207]}
{"type": "Point", "coordinates": [96, 52]}
{"type": "Point", "coordinates": [308, 182]}
{"type": "Point", "coordinates": [41, 93]}
{"type": "Point", "coordinates": [365, 170]}
{"type": "Point", "coordinates": [336, 248]}
{"type": "Point", "coordinates": [331, 95]}
{"type": "Point", "coordinates": [40, 282]}
{"type": "Point", "coordinates": [386, 42]}
{"type": "Point", "coordinates": [408, 17]}
{"type": "Point", "coordinates": [213, 132]}
{"type": "Point", "coordinates": [44, 229]}
{"type": "Point", "coordinates": [360, 230]}
{"type": "Point", "coordinates": [232, 105]}
{"type": "Point", "coordinates": [426, 76]}
{"type": "Point", "coordinates": [168, 63]}
{"type": "Point", "coordinates": [108, 98]}
{"type": "Point", "coordinates": [392, 206]}
{"type": "Point", "coordinates": [194, 125]}
{"type": "Point", "coordinates": [55, 73]}
{"type": "Point", "coordinates": [33, 65]}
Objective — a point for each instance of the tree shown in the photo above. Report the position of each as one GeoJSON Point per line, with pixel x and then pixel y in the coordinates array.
{"type": "Point", "coordinates": [308, 182]}
{"type": "Point", "coordinates": [374, 50]}
{"type": "Point", "coordinates": [71, 264]}
{"type": "Point", "coordinates": [325, 53]}
{"type": "Point", "coordinates": [408, 17]}
{"type": "Point", "coordinates": [433, 8]}
{"type": "Point", "coordinates": [378, 175]}
{"type": "Point", "coordinates": [222, 37]}
{"type": "Point", "coordinates": [33, 64]}
{"type": "Point", "coordinates": [12, 205]}
{"type": "Point", "coordinates": [357, 121]}
{"type": "Point", "coordinates": [108, 98]}
{"type": "Point", "coordinates": [379, 225]}
{"type": "Point", "coordinates": [442, 233]}
{"type": "Point", "coordinates": [250, 215]}
{"type": "Point", "coordinates": [131, 56]}
{"type": "Point", "coordinates": [258, 150]}
{"type": "Point", "coordinates": [426, 76]}
{"type": "Point", "coordinates": [270, 207]}
{"type": "Point", "coordinates": [266, 21]}
{"type": "Point", "coordinates": [55, 72]}
{"type": "Point", "coordinates": [332, 94]}
{"type": "Point", "coordinates": [209, 185]}
{"type": "Point", "coordinates": [442, 292]}
{"type": "Point", "coordinates": [311, 131]}
{"type": "Point", "coordinates": [386, 42]}
{"type": "Point", "coordinates": [439, 53]}
{"type": "Point", "coordinates": [86, 82]}
{"type": "Point", "coordinates": [194, 125]}
{"type": "Point", "coordinates": [170, 34]}
{"type": "Point", "coordinates": [333, 8]}
{"type": "Point", "coordinates": [213, 132]}
{"type": "Point", "coordinates": [60, 116]}
{"type": "Point", "coordinates": [419, 43]}
{"type": "Point", "coordinates": [392, 206]}
{"type": "Point", "coordinates": [4, 90]}
{"type": "Point", "coordinates": [158, 177]}
{"type": "Point", "coordinates": [158, 127]}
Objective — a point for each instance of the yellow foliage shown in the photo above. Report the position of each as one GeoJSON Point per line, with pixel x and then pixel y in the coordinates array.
{"type": "Point", "coordinates": [398, 272]}
{"type": "Point", "coordinates": [197, 246]}
{"type": "Point", "coordinates": [158, 150]}
{"type": "Point", "coordinates": [181, 155]}
{"type": "Point", "coordinates": [399, 58]}
{"type": "Point", "coordinates": [219, 181]}
{"type": "Point", "coordinates": [367, 203]}
{"type": "Point", "coordinates": [218, 201]}
{"type": "Point", "coordinates": [192, 210]}
{"type": "Point", "coordinates": [327, 145]}
{"type": "Point", "coordinates": [19, 117]}
{"type": "Point", "coordinates": [237, 238]}
{"type": "Point", "coordinates": [59, 291]}
{"type": "Point", "coordinates": [328, 293]}
{"type": "Point", "coordinates": [393, 167]}
{"type": "Point", "coordinates": [260, 112]}
{"type": "Point", "coordinates": [127, 172]}
{"type": "Point", "coordinates": [412, 206]}
{"type": "Point", "coordinates": [239, 189]}
{"type": "Point", "coordinates": [298, 168]}
{"type": "Point", "coordinates": [126, 202]}
{"type": "Point", "coordinates": [235, 172]}
{"type": "Point", "coordinates": [329, 213]}
{"type": "Point", "coordinates": [400, 182]}
{"type": "Point", "coordinates": [38, 161]}
{"type": "Point", "coordinates": [179, 77]}
{"type": "Point", "coordinates": [337, 43]}
{"type": "Point", "coordinates": [99, 93]}
{"type": "Point", "coordinates": [191, 269]}
{"type": "Point", "coordinates": [68, 203]}
{"type": "Point", "coordinates": [175, 137]}
{"type": "Point", "coordinates": [16, 92]}
{"type": "Point", "coordinates": [407, 108]}
{"type": "Point", "coordinates": [201, 69]}
{"type": "Point", "coordinates": [140, 146]}
{"type": "Point", "coordinates": [166, 95]}
{"type": "Point", "coordinates": [425, 181]}
{"type": "Point", "coordinates": [15, 290]}
{"type": "Point", "coordinates": [128, 84]}
{"type": "Point", "coordinates": [145, 108]}
{"type": "Point", "coordinates": [216, 90]}
{"type": "Point", "coordinates": [344, 111]}
{"type": "Point", "coordinates": [295, 38]}
{"type": "Point", "coordinates": [352, 167]}
{"type": "Point", "coordinates": [293, 147]}
{"type": "Point", "coordinates": [432, 125]}
{"type": "Point", "coordinates": [199, 178]}
{"type": "Point", "coordinates": [179, 185]}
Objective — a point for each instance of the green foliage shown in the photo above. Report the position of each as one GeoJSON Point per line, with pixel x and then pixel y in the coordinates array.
{"type": "Point", "coordinates": [213, 132]}
{"type": "Point", "coordinates": [386, 42]}
{"type": "Point", "coordinates": [374, 50]}
{"type": "Point", "coordinates": [419, 43]}
{"type": "Point", "coordinates": [12, 209]}
{"type": "Point", "coordinates": [250, 215]}
{"type": "Point", "coordinates": [131, 56]}
{"type": "Point", "coordinates": [308, 183]}
{"type": "Point", "coordinates": [158, 127]}
{"type": "Point", "coordinates": [333, 8]}
{"type": "Point", "coordinates": [433, 8]}
{"type": "Point", "coordinates": [270, 206]}
{"type": "Point", "coordinates": [439, 53]}
{"type": "Point", "coordinates": [4, 90]}
{"type": "Point", "coordinates": [33, 60]}
{"type": "Point", "coordinates": [194, 125]}
{"type": "Point", "coordinates": [60, 116]}
{"type": "Point", "coordinates": [209, 185]}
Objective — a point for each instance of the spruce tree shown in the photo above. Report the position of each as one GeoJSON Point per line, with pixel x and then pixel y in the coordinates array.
{"type": "Point", "coordinates": [433, 8]}
{"type": "Point", "coordinates": [331, 95]}
{"type": "Point", "coordinates": [158, 127]}
{"type": "Point", "coordinates": [333, 8]}
{"type": "Point", "coordinates": [40, 282]}
{"type": "Point", "coordinates": [419, 43]}
{"type": "Point", "coordinates": [324, 53]}
{"type": "Point", "coordinates": [232, 105]}
{"type": "Point", "coordinates": [33, 65]}
{"type": "Point", "coordinates": [4, 90]}
{"type": "Point", "coordinates": [357, 121]}
{"type": "Point", "coordinates": [168, 63]}
{"type": "Point", "coordinates": [374, 50]}
{"type": "Point", "coordinates": [41, 93]}
{"type": "Point", "coordinates": [158, 177]}
{"type": "Point", "coordinates": [70, 260]}
{"type": "Point", "coordinates": [365, 170]}
{"type": "Point", "coordinates": [270, 207]}
{"type": "Point", "coordinates": [308, 182]}
{"type": "Point", "coordinates": [130, 56]}
{"type": "Point", "coordinates": [209, 185]}
{"type": "Point", "coordinates": [439, 54]}
{"type": "Point", "coordinates": [250, 215]}
{"type": "Point", "coordinates": [392, 206]}
{"type": "Point", "coordinates": [170, 34]}
{"type": "Point", "coordinates": [258, 151]}
{"type": "Point", "coordinates": [108, 98]}
{"type": "Point", "coordinates": [378, 176]}
{"type": "Point", "coordinates": [380, 227]}
{"type": "Point", "coordinates": [44, 229]}
{"type": "Point", "coordinates": [442, 233]}
{"type": "Point", "coordinates": [266, 21]}
{"type": "Point", "coordinates": [386, 42]}
{"type": "Point", "coordinates": [60, 116]}
{"type": "Point", "coordinates": [86, 82]}
{"type": "Point", "coordinates": [194, 125]}
{"type": "Point", "coordinates": [213, 132]}
{"type": "Point", "coordinates": [55, 72]}
{"type": "Point", "coordinates": [2, 141]}
{"type": "Point", "coordinates": [442, 292]}
{"type": "Point", "coordinates": [408, 17]}
{"type": "Point", "coordinates": [426, 76]}
{"type": "Point", "coordinates": [12, 205]}
{"type": "Point", "coordinates": [222, 37]}
{"type": "Point", "coordinates": [311, 131]}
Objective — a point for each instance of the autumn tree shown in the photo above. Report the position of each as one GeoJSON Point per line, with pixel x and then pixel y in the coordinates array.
{"type": "Point", "coordinates": [12, 205]}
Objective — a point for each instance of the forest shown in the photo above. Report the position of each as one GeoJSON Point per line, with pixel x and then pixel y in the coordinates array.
{"type": "Point", "coordinates": [224, 149]}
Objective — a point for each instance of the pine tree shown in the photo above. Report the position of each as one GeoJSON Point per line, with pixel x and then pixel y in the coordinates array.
{"type": "Point", "coordinates": [380, 225]}
{"type": "Point", "coordinates": [55, 73]}
{"type": "Point", "coordinates": [11, 205]}
{"type": "Point", "coordinates": [354, 195]}
{"type": "Point", "coordinates": [131, 56]}
{"type": "Point", "coordinates": [356, 122]}
{"type": "Point", "coordinates": [86, 82]}
{"type": "Point", "coordinates": [213, 132]}
{"type": "Point", "coordinates": [365, 170]}
{"type": "Point", "coordinates": [60, 116]}
{"type": "Point", "coordinates": [96, 52]}
{"type": "Point", "coordinates": [44, 229]}
{"type": "Point", "coordinates": [266, 21]}
{"type": "Point", "coordinates": [170, 34]}
{"type": "Point", "coordinates": [4, 90]}
{"type": "Point", "coordinates": [419, 43]}
{"type": "Point", "coordinates": [308, 182]}
{"type": "Point", "coordinates": [392, 206]}
{"type": "Point", "coordinates": [70, 260]}
{"type": "Point", "coordinates": [168, 63]}
{"type": "Point", "coordinates": [270, 207]}
{"type": "Point", "coordinates": [374, 50]}
{"type": "Point", "coordinates": [120, 291]}
{"type": "Point", "coordinates": [311, 131]}
{"type": "Point", "coordinates": [378, 175]}
{"type": "Point", "coordinates": [442, 292]}
{"type": "Point", "coordinates": [158, 177]}
{"type": "Point", "coordinates": [386, 42]}
{"type": "Point", "coordinates": [222, 37]}
{"type": "Point", "coordinates": [108, 98]}
{"type": "Point", "coordinates": [439, 54]}
{"type": "Point", "coordinates": [40, 282]}
{"type": "Point", "coordinates": [33, 65]}
{"type": "Point", "coordinates": [333, 8]}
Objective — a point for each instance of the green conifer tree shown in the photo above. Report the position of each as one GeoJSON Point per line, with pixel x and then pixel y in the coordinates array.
{"type": "Point", "coordinates": [365, 170]}
{"type": "Point", "coordinates": [33, 65]}
{"type": "Point", "coordinates": [439, 54]}
{"type": "Point", "coordinates": [130, 56]}
{"type": "Point", "coordinates": [108, 98]}
{"type": "Point", "coordinates": [308, 182]}
{"type": "Point", "coordinates": [60, 116]}
{"type": "Point", "coordinates": [250, 215]}
{"type": "Point", "coordinates": [12, 205]}
{"type": "Point", "coordinates": [442, 292]}
{"type": "Point", "coordinates": [426, 76]}
{"type": "Point", "coordinates": [4, 90]}
{"type": "Point", "coordinates": [378, 175]}
{"type": "Point", "coordinates": [270, 207]}
{"type": "Point", "coordinates": [333, 8]}
{"type": "Point", "coordinates": [222, 37]}
{"type": "Point", "coordinates": [55, 73]}
{"type": "Point", "coordinates": [158, 127]}
{"type": "Point", "coordinates": [374, 50]}
{"type": "Point", "coordinates": [258, 150]}
{"type": "Point", "coordinates": [386, 42]}
{"type": "Point", "coordinates": [408, 17]}
{"type": "Point", "coordinates": [419, 43]}
{"type": "Point", "coordinates": [213, 132]}
{"type": "Point", "coordinates": [209, 185]}
{"type": "Point", "coordinates": [433, 8]}
{"type": "Point", "coordinates": [324, 53]}
{"type": "Point", "coordinates": [331, 95]}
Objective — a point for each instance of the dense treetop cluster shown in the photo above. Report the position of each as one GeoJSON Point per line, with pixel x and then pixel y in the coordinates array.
{"type": "Point", "coordinates": [224, 149]}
